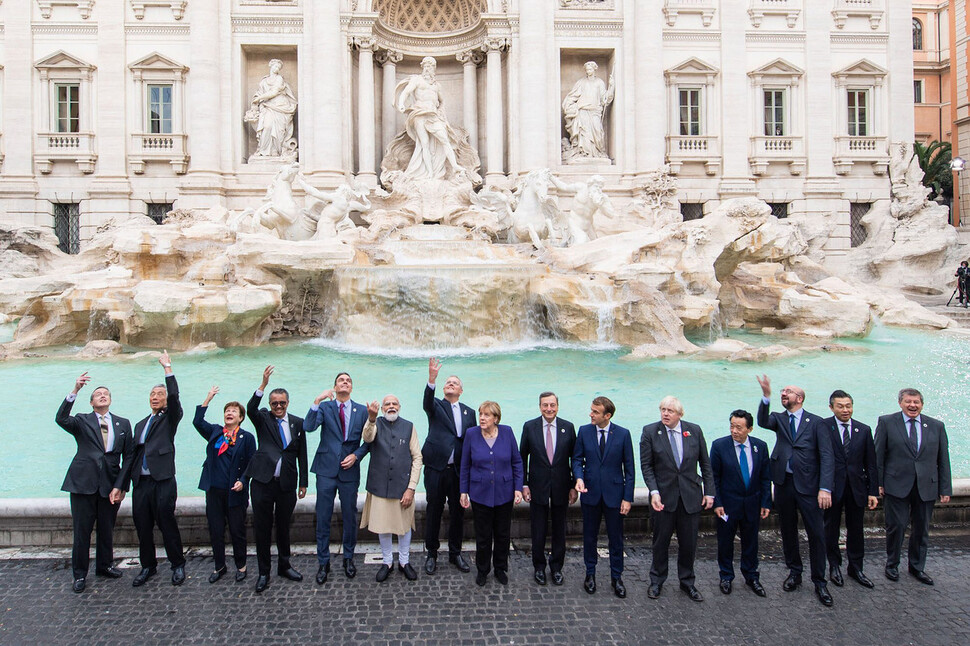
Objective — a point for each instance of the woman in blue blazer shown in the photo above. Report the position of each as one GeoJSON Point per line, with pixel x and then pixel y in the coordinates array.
{"type": "Point", "coordinates": [227, 455]}
{"type": "Point", "coordinates": [491, 483]}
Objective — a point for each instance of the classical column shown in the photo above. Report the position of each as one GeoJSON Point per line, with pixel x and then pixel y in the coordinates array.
{"type": "Point", "coordinates": [494, 127]}
{"type": "Point", "coordinates": [388, 59]}
{"type": "Point", "coordinates": [365, 111]}
{"type": "Point", "coordinates": [470, 61]}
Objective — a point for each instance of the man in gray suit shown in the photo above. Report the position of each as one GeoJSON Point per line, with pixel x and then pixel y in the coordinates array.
{"type": "Point", "coordinates": [913, 466]}
{"type": "Point", "coordinates": [671, 451]}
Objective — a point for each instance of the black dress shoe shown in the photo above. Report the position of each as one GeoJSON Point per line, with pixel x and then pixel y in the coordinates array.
{"type": "Point", "coordinates": [557, 578]}
{"type": "Point", "coordinates": [653, 592]}
{"type": "Point", "coordinates": [215, 576]}
{"type": "Point", "coordinates": [111, 573]}
{"type": "Point", "coordinates": [291, 574]}
{"type": "Point", "coordinates": [835, 576]}
{"type": "Point", "coordinates": [756, 587]}
{"type": "Point", "coordinates": [792, 582]}
{"type": "Point", "coordinates": [459, 562]}
{"type": "Point", "coordinates": [892, 573]}
{"type": "Point", "coordinates": [540, 577]}
{"type": "Point", "coordinates": [383, 573]}
{"type": "Point", "coordinates": [822, 592]}
{"type": "Point", "coordinates": [692, 593]}
{"type": "Point", "coordinates": [349, 568]}
{"type": "Point", "coordinates": [322, 573]}
{"type": "Point", "coordinates": [590, 584]}
{"type": "Point", "coordinates": [618, 588]}
{"type": "Point", "coordinates": [409, 572]}
{"type": "Point", "coordinates": [480, 578]}
{"type": "Point", "coordinates": [262, 582]}
{"type": "Point", "coordinates": [861, 578]}
{"type": "Point", "coordinates": [78, 585]}
{"type": "Point", "coordinates": [502, 577]}
{"type": "Point", "coordinates": [725, 586]}
{"type": "Point", "coordinates": [145, 574]}
{"type": "Point", "coordinates": [240, 576]}
{"type": "Point", "coordinates": [178, 575]}
{"type": "Point", "coordinates": [920, 576]}
{"type": "Point", "coordinates": [430, 565]}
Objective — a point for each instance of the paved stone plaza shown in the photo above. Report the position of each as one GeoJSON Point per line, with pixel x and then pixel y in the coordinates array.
{"type": "Point", "coordinates": [38, 606]}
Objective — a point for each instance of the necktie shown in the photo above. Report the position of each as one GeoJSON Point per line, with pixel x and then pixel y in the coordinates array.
{"type": "Point", "coordinates": [456, 415]}
{"type": "Point", "coordinates": [845, 436]}
{"type": "Point", "coordinates": [743, 460]}
{"type": "Point", "coordinates": [673, 445]}
{"type": "Point", "coordinates": [913, 439]}
{"type": "Point", "coordinates": [104, 433]}
{"type": "Point", "coordinates": [144, 440]}
{"type": "Point", "coordinates": [602, 442]}
{"type": "Point", "coordinates": [791, 426]}
{"type": "Point", "coordinates": [549, 441]}
{"type": "Point", "coordinates": [343, 422]}
{"type": "Point", "coordinates": [279, 425]}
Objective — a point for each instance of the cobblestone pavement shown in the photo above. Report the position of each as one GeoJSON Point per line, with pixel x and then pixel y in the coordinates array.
{"type": "Point", "coordinates": [38, 607]}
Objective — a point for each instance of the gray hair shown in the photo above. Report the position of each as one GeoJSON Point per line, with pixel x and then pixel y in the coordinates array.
{"type": "Point", "coordinates": [673, 403]}
{"type": "Point", "coordinates": [909, 392]}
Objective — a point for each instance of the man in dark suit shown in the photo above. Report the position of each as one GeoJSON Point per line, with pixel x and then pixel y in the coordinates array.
{"type": "Point", "coordinates": [448, 419]}
{"type": "Point", "coordinates": [153, 476]}
{"type": "Point", "coordinates": [279, 463]}
{"type": "Point", "coordinates": [604, 472]}
{"type": "Point", "coordinates": [671, 451]}
{"type": "Point", "coordinates": [855, 488]}
{"type": "Point", "coordinates": [97, 478]}
{"type": "Point", "coordinates": [913, 467]}
{"type": "Point", "coordinates": [803, 470]}
{"type": "Point", "coordinates": [337, 467]}
{"type": "Point", "coordinates": [547, 450]}
{"type": "Point", "coordinates": [742, 484]}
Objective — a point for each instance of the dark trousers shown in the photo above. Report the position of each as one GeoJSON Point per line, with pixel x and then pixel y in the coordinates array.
{"type": "Point", "coordinates": [854, 543]}
{"type": "Point", "coordinates": [592, 514]}
{"type": "Point", "coordinates": [539, 515]}
{"type": "Point", "coordinates": [726, 531]}
{"type": "Point", "coordinates": [86, 510]}
{"type": "Point", "coordinates": [272, 505]}
{"type": "Point", "coordinates": [440, 486]}
{"type": "Point", "coordinates": [493, 536]}
{"type": "Point", "coordinates": [790, 504]}
{"type": "Point", "coordinates": [218, 513]}
{"type": "Point", "coordinates": [327, 489]}
{"type": "Point", "coordinates": [900, 511]}
{"type": "Point", "coordinates": [664, 525]}
{"type": "Point", "coordinates": [153, 503]}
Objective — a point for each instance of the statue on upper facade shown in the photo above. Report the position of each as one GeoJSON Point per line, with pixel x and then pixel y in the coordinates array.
{"type": "Point", "coordinates": [271, 116]}
{"type": "Point", "coordinates": [583, 109]}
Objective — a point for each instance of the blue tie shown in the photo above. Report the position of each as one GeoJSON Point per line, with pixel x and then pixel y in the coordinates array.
{"type": "Point", "coordinates": [743, 459]}
{"type": "Point", "coordinates": [791, 426]}
{"type": "Point", "coordinates": [279, 425]}
{"type": "Point", "coordinates": [144, 435]}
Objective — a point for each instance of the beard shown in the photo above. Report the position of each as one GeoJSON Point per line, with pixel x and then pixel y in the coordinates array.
{"type": "Point", "coordinates": [391, 417]}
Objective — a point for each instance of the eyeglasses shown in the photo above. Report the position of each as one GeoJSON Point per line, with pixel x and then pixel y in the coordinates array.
{"type": "Point", "coordinates": [278, 404]}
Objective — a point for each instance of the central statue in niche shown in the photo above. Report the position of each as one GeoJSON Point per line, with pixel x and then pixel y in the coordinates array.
{"type": "Point", "coordinates": [419, 97]}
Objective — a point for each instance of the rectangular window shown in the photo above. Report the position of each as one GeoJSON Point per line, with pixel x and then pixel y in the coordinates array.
{"type": "Point", "coordinates": [779, 209]}
{"type": "Point", "coordinates": [775, 125]}
{"type": "Point", "coordinates": [159, 109]}
{"type": "Point", "coordinates": [158, 210]}
{"type": "Point", "coordinates": [691, 210]}
{"type": "Point", "coordinates": [67, 217]}
{"type": "Point", "coordinates": [858, 101]}
{"type": "Point", "coordinates": [68, 107]}
{"type": "Point", "coordinates": [918, 91]}
{"type": "Point", "coordinates": [690, 112]}
{"type": "Point", "coordinates": [857, 232]}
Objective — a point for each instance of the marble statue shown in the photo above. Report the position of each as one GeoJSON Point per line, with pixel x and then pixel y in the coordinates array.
{"type": "Point", "coordinates": [332, 209]}
{"type": "Point", "coordinates": [583, 110]}
{"type": "Point", "coordinates": [592, 212]}
{"type": "Point", "coordinates": [271, 116]}
{"type": "Point", "coordinates": [908, 192]}
{"type": "Point", "coordinates": [535, 215]}
{"type": "Point", "coordinates": [656, 205]}
{"type": "Point", "coordinates": [280, 212]}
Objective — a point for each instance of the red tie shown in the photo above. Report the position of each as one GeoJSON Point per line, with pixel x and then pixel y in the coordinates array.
{"type": "Point", "coordinates": [343, 423]}
{"type": "Point", "coordinates": [549, 441]}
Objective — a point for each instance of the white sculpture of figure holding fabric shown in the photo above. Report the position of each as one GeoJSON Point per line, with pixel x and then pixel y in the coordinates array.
{"type": "Point", "coordinates": [592, 211]}
{"type": "Point", "coordinates": [583, 110]}
{"type": "Point", "coordinates": [332, 209]}
{"type": "Point", "coordinates": [419, 98]}
{"type": "Point", "coordinates": [271, 116]}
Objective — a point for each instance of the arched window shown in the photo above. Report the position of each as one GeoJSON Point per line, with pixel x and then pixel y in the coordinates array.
{"type": "Point", "coordinates": [917, 34]}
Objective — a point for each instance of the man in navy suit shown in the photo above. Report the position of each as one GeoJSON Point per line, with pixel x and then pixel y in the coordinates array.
{"type": "Point", "coordinates": [856, 487]}
{"type": "Point", "coordinates": [337, 465]}
{"type": "Point", "coordinates": [742, 480]}
{"type": "Point", "coordinates": [97, 478]}
{"type": "Point", "coordinates": [448, 419]}
{"type": "Point", "coordinates": [803, 470]}
{"type": "Point", "coordinates": [604, 472]}
{"type": "Point", "coordinates": [671, 452]}
{"type": "Point", "coordinates": [547, 451]}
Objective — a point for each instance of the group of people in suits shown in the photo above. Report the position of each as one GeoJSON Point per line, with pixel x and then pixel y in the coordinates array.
{"type": "Point", "coordinates": [819, 469]}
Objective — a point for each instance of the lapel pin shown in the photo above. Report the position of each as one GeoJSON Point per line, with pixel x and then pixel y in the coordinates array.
{"type": "Point", "coordinates": [754, 448]}
{"type": "Point", "coordinates": [660, 432]}
{"type": "Point", "coordinates": [686, 433]}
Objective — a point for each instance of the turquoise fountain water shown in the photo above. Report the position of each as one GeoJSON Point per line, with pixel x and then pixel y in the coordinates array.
{"type": "Point", "coordinates": [36, 452]}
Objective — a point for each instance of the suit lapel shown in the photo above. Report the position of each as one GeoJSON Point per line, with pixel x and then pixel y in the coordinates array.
{"type": "Point", "coordinates": [904, 433]}
{"type": "Point", "coordinates": [664, 439]}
